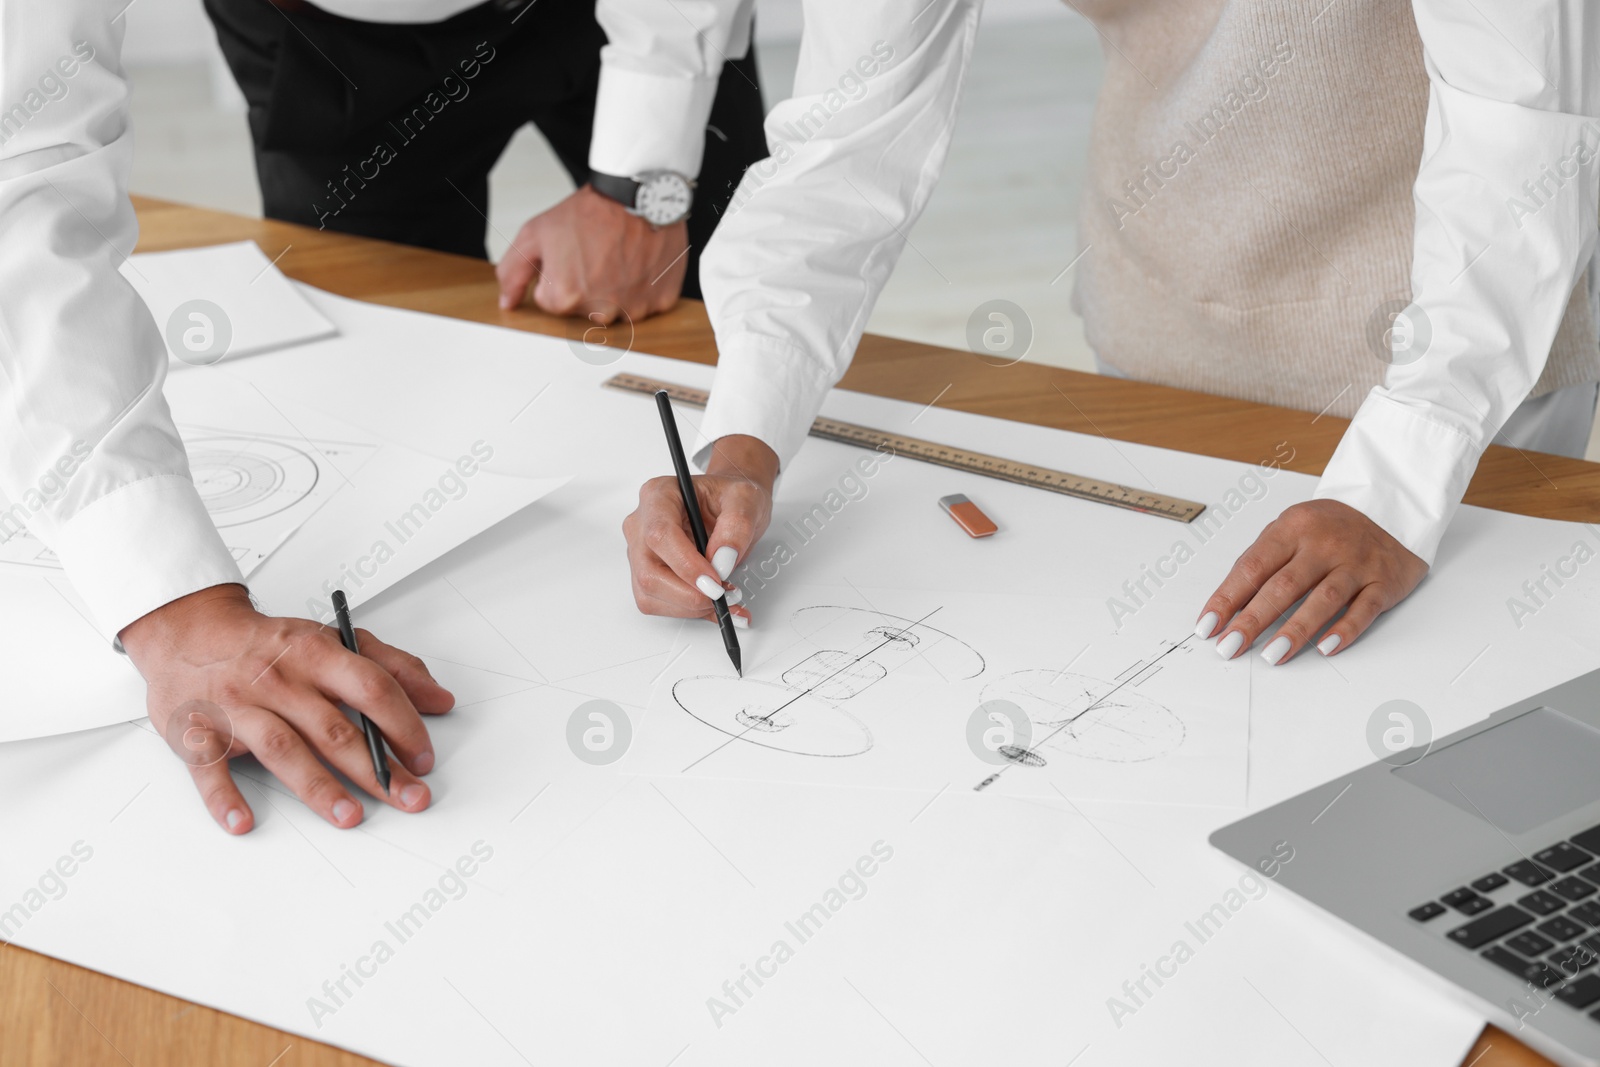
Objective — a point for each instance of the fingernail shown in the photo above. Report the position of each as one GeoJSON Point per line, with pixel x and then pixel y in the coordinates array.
{"type": "Point", "coordinates": [741, 621]}
{"type": "Point", "coordinates": [723, 561]}
{"type": "Point", "coordinates": [1228, 647]}
{"type": "Point", "coordinates": [733, 595]}
{"type": "Point", "coordinates": [1328, 644]}
{"type": "Point", "coordinates": [1207, 625]}
{"type": "Point", "coordinates": [505, 302]}
{"type": "Point", "coordinates": [234, 818]}
{"type": "Point", "coordinates": [1275, 652]}
{"type": "Point", "coordinates": [411, 795]}
{"type": "Point", "coordinates": [343, 810]}
{"type": "Point", "coordinates": [422, 764]}
{"type": "Point", "coordinates": [709, 586]}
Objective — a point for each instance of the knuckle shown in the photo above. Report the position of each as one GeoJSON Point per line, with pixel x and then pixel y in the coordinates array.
{"type": "Point", "coordinates": [372, 687]}
{"type": "Point", "coordinates": [651, 584]}
{"type": "Point", "coordinates": [1333, 591]}
{"type": "Point", "coordinates": [277, 744]}
{"type": "Point", "coordinates": [1249, 620]}
{"type": "Point", "coordinates": [657, 534]}
{"type": "Point", "coordinates": [217, 797]}
{"type": "Point", "coordinates": [1253, 569]}
{"type": "Point", "coordinates": [323, 792]}
{"type": "Point", "coordinates": [339, 732]}
{"type": "Point", "coordinates": [233, 693]}
{"type": "Point", "coordinates": [1295, 631]}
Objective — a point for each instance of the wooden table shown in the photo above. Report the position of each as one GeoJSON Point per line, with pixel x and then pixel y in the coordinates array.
{"type": "Point", "coordinates": [55, 1013]}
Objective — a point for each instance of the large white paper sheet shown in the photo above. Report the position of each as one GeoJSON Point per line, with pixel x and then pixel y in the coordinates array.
{"type": "Point", "coordinates": [614, 919]}
{"type": "Point", "coordinates": [930, 689]}
{"type": "Point", "coordinates": [613, 898]}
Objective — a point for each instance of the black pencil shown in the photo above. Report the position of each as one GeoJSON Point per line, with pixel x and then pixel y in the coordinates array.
{"type": "Point", "coordinates": [347, 635]}
{"type": "Point", "coordinates": [691, 504]}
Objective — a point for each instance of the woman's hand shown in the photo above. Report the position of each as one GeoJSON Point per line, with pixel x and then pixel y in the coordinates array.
{"type": "Point", "coordinates": [1325, 551]}
{"type": "Point", "coordinates": [670, 576]}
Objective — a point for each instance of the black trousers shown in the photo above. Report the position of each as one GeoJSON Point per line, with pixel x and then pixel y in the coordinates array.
{"type": "Point", "coordinates": [390, 131]}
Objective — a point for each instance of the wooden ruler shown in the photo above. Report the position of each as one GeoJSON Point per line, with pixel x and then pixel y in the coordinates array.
{"type": "Point", "coordinates": [1073, 485]}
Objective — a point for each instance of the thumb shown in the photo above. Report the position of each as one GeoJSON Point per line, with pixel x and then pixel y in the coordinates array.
{"type": "Point", "coordinates": [518, 267]}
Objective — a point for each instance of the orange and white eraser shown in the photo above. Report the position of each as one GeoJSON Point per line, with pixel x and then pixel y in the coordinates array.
{"type": "Point", "coordinates": [967, 515]}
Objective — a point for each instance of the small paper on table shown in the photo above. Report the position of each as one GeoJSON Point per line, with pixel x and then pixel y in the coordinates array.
{"type": "Point", "coordinates": [221, 301]}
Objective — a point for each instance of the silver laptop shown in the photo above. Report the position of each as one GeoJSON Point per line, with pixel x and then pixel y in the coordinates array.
{"type": "Point", "coordinates": [1478, 857]}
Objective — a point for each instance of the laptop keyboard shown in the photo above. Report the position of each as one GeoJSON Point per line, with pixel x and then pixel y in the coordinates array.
{"type": "Point", "coordinates": [1538, 918]}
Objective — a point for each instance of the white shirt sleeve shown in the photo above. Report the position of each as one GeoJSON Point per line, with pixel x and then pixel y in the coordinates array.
{"type": "Point", "coordinates": [1506, 198]}
{"type": "Point", "coordinates": [658, 78]}
{"type": "Point", "coordinates": [814, 230]}
{"type": "Point", "coordinates": [90, 461]}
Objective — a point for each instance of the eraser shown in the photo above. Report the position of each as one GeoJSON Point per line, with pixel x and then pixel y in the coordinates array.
{"type": "Point", "coordinates": [967, 515]}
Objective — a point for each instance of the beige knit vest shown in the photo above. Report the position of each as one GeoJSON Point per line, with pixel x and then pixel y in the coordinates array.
{"type": "Point", "coordinates": [1264, 258]}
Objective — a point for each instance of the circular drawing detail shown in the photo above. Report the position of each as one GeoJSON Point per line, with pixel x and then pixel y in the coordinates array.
{"type": "Point", "coordinates": [1072, 716]}
{"type": "Point", "coordinates": [245, 479]}
{"type": "Point", "coordinates": [772, 716]}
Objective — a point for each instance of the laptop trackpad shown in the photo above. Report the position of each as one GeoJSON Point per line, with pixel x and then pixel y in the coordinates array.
{"type": "Point", "coordinates": [1517, 775]}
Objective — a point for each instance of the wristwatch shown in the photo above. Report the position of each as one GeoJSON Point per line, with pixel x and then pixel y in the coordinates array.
{"type": "Point", "coordinates": [660, 197]}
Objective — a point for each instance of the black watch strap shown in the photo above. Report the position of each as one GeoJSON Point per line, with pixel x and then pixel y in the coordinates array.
{"type": "Point", "coordinates": [624, 191]}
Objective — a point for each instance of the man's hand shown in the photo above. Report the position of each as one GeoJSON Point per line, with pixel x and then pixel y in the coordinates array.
{"type": "Point", "coordinates": [588, 256]}
{"type": "Point", "coordinates": [670, 577]}
{"type": "Point", "coordinates": [1325, 551]}
{"type": "Point", "coordinates": [225, 680]}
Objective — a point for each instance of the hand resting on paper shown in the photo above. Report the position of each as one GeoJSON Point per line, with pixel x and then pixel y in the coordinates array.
{"type": "Point", "coordinates": [588, 256]}
{"type": "Point", "coordinates": [669, 576]}
{"type": "Point", "coordinates": [1325, 551]}
{"type": "Point", "coordinates": [225, 680]}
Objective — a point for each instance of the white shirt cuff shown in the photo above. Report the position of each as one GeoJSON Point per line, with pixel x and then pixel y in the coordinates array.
{"type": "Point", "coordinates": [649, 122]}
{"type": "Point", "coordinates": [764, 388]}
{"type": "Point", "coordinates": [1402, 470]}
{"type": "Point", "coordinates": [142, 546]}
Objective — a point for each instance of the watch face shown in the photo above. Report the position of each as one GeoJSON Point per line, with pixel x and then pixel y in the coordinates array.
{"type": "Point", "coordinates": [663, 198]}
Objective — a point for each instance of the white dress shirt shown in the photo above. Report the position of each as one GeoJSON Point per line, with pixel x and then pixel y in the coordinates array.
{"type": "Point", "coordinates": [89, 458]}
{"type": "Point", "coordinates": [660, 78]}
{"type": "Point", "coordinates": [795, 267]}
{"type": "Point", "coordinates": [90, 461]}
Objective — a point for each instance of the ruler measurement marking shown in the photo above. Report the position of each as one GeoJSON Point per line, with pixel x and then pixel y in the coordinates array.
{"type": "Point", "coordinates": [849, 433]}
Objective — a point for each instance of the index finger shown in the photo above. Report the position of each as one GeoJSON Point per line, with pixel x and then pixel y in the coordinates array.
{"type": "Point", "coordinates": [517, 268]}
{"type": "Point", "coordinates": [1250, 572]}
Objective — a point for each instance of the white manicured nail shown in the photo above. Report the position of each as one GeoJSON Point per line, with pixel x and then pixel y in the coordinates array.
{"type": "Point", "coordinates": [741, 621]}
{"type": "Point", "coordinates": [723, 560]}
{"type": "Point", "coordinates": [734, 596]}
{"type": "Point", "coordinates": [235, 817]}
{"type": "Point", "coordinates": [1228, 647]}
{"type": "Point", "coordinates": [1275, 652]}
{"type": "Point", "coordinates": [1328, 644]}
{"type": "Point", "coordinates": [1207, 625]}
{"type": "Point", "coordinates": [709, 586]}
